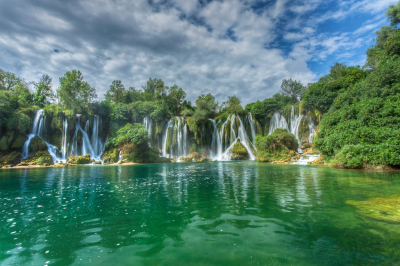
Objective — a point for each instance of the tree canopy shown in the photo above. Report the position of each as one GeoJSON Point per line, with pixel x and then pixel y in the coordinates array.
{"type": "Point", "coordinates": [74, 93]}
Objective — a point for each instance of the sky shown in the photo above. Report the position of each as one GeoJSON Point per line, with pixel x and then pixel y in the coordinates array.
{"type": "Point", "coordinates": [236, 47]}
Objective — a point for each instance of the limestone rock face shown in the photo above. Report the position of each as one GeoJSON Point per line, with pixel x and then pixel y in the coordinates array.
{"type": "Point", "coordinates": [84, 159]}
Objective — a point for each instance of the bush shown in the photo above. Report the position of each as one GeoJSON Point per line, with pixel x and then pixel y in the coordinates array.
{"type": "Point", "coordinates": [367, 114]}
{"type": "Point", "coordinates": [279, 145]}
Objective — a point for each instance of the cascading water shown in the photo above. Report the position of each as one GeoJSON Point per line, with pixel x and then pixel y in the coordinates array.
{"type": "Point", "coordinates": [221, 146]}
{"type": "Point", "coordinates": [279, 121]}
{"type": "Point", "coordinates": [295, 125]}
{"type": "Point", "coordinates": [148, 122]}
{"type": "Point", "coordinates": [64, 140]}
{"type": "Point", "coordinates": [216, 142]}
{"type": "Point", "coordinates": [37, 131]}
{"type": "Point", "coordinates": [311, 129]}
{"type": "Point", "coordinates": [175, 138]}
{"type": "Point", "coordinates": [253, 129]}
{"type": "Point", "coordinates": [95, 147]}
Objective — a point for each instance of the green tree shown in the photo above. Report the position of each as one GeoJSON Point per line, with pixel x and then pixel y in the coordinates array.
{"type": "Point", "coordinates": [206, 107]}
{"type": "Point", "coordinates": [232, 105]}
{"type": "Point", "coordinates": [8, 80]}
{"type": "Point", "coordinates": [44, 93]}
{"type": "Point", "coordinates": [135, 134]}
{"type": "Point", "coordinates": [292, 88]}
{"type": "Point", "coordinates": [321, 94]}
{"type": "Point", "coordinates": [393, 14]}
{"type": "Point", "coordinates": [175, 99]}
{"type": "Point", "coordinates": [74, 93]}
{"type": "Point", "coordinates": [116, 93]}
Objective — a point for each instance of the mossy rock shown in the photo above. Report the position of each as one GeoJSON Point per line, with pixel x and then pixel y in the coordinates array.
{"type": "Point", "coordinates": [111, 156]}
{"type": "Point", "coordinates": [193, 156]}
{"type": "Point", "coordinates": [381, 209]}
{"type": "Point", "coordinates": [3, 143]}
{"type": "Point", "coordinates": [37, 144]}
{"type": "Point", "coordinates": [163, 160]}
{"type": "Point", "coordinates": [19, 142]}
{"type": "Point", "coordinates": [239, 152]}
{"type": "Point", "coordinates": [10, 159]}
{"type": "Point", "coordinates": [42, 158]}
{"type": "Point", "coordinates": [84, 159]}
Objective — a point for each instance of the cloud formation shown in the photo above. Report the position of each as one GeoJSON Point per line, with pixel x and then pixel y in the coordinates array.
{"type": "Point", "coordinates": [236, 47]}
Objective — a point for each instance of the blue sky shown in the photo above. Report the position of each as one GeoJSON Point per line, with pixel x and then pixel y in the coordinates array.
{"type": "Point", "coordinates": [237, 47]}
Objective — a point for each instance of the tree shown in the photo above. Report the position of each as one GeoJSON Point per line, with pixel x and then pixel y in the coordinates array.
{"type": "Point", "coordinates": [9, 80]}
{"type": "Point", "coordinates": [292, 88]}
{"type": "Point", "coordinates": [74, 92]}
{"type": "Point", "coordinates": [44, 93]}
{"type": "Point", "coordinates": [393, 14]}
{"type": "Point", "coordinates": [175, 99]}
{"type": "Point", "coordinates": [135, 134]}
{"type": "Point", "coordinates": [116, 93]}
{"type": "Point", "coordinates": [206, 107]}
{"type": "Point", "coordinates": [232, 105]}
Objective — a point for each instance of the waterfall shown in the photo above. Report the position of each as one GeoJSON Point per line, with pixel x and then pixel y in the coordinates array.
{"type": "Point", "coordinates": [37, 131]}
{"type": "Point", "coordinates": [175, 138]}
{"type": "Point", "coordinates": [94, 147]}
{"type": "Point", "coordinates": [147, 122]}
{"type": "Point", "coordinates": [64, 140]}
{"type": "Point", "coordinates": [221, 147]}
{"type": "Point", "coordinates": [253, 128]}
{"type": "Point", "coordinates": [216, 142]}
{"type": "Point", "coordinates": [277, 121]}
{"type": "Point", "coordinates": [295, 125]}
{"type": "Point", "coordinates": [311, 129]}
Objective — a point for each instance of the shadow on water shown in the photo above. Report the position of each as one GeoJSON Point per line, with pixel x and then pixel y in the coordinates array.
{"type": "Point", "coordinates": [225, 213]}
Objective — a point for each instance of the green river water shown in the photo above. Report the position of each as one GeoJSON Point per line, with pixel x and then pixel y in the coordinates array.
{"type": "Point", "coordinates": [216, 213]}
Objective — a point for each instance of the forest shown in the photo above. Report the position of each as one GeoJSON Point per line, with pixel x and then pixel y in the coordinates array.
{"type": "Point", "coordinates": [355, 111]}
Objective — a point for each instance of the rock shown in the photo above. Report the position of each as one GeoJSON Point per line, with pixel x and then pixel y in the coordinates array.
{"type": "Point", "coordinates": [41, 158]}
{"type": "Point", "coordinates": [12, 158]}
{"type": "Point", "coordinates": [84, 159]}
{"type": "Point", "coordinates": [239, 152]}
{"type": "Point", "coordinates": [381, 209]}
{"type": "Point", "coordinates": [319, 160]}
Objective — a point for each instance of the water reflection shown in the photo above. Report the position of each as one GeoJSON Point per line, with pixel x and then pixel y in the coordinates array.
{"type": "Point", "coordinates": [215, 213]}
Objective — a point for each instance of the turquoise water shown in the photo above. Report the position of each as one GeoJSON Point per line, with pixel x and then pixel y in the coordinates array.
{"type": "Point", "coordinates": [216, 213]}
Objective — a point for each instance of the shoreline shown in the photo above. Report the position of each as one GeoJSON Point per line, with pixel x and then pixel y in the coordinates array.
{"type": "Point", "coordinates": [369, 169]}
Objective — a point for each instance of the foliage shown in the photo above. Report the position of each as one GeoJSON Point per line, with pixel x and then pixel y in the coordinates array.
{"type": "Point", "coordinates": [276, 146]}
{"type": "Point", "coordinates": [135, 134]}
{"type": "Point", "coordinates": [134, 153]}
{"type": "Point", "coordinates": [116, 93]}
{"type": "Point", "coordinates": [367, 114]}
{"type": "Point", "coordinates": [264, 109]}
{"type": "Point", "coordinates": [206, 107]}
{"type": "Point", "coordinates": [232, 105]}
{"type": "Point", "coordinates": [239, 152]}
{"type": "Point", "coordinates": [84, 159]}
{"type": "Point", "coordinates": [74, 93]}
{"type": "Point", "coordinates": [393, 14]}
{"type": "Point", "coordinates": [44, 93]}
{"type": "Point", "coordinates": [320, 95]}
{"type": "Point", "coordinates": [292, 88]}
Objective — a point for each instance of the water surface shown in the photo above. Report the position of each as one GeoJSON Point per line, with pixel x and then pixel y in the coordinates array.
{"type": "Point", "coordinates": [216, 213]}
